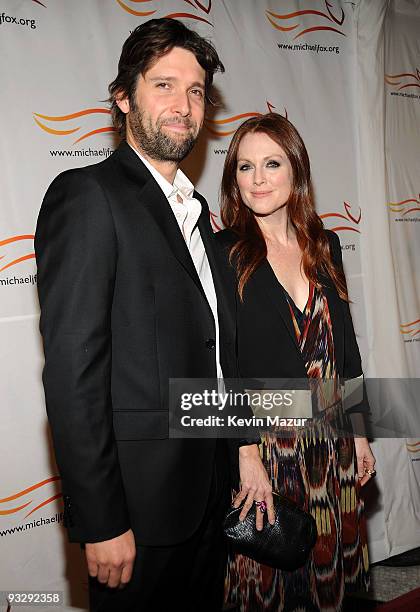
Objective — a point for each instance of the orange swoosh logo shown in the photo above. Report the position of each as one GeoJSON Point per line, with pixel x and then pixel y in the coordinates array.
{"type": "Point", "coordinates": [206, 9]}
{"type": "Point", "coordinates": [44, 503]}
{"type": "Point", "coordinates": [182, 15]}
{"type": "Point", "coordinates": [398, 79]}
{"type": "Point", "coordinates": [20, 258]}
{"type": "Point", "coordinates": [405, 206]}
{"type": "Point", "coordinates": [412, 328]}
{"type": "Point", "coordinates": [213, 217]}
{"type": "Point", "coordinates": [328, 15]}
{"type": "Point", "coordinates": [348, 217]}
{"type": "Point", "coordinates": [70, 117]}
{"type": "Point", "coordinates": [24, 492]}
{"type": "Point", "coordinates": [188, 16]}
{"type": "Point", "coordinates": [14, 510]}
{"type": "Point", "coordinates": [213, 125]}
{"type": "Point", "coordinates": [133, 11]}
{"type": "Point", "coordinates": [413, 447]}
{"type": "Point", "coordinates": [16, 238]}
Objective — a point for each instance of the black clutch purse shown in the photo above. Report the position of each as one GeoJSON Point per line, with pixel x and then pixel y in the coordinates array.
{"type": "Point", "coordinates": [286, 545]}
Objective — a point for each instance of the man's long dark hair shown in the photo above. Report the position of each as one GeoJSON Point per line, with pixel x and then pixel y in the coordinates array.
{"type": "Point", "coordinates": [251, 249]}
{"type": "Point", "coordinates": [148, 43]}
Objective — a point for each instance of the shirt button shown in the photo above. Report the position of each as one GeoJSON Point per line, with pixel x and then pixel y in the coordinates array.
{"type": "Point", "coordinates": [211, 343]}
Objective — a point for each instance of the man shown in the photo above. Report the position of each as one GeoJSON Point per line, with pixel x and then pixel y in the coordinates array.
{"type": "Point", "coordinates": [132, 293]}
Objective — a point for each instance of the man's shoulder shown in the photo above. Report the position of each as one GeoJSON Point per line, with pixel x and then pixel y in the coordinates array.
{"type": "Point", "coordinates": [83, 175]}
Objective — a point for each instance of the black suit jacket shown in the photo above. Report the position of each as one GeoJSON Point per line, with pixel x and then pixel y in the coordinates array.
{"type": "Point", "coordinates": [267, 345]}
{"type": "Point", "coordinates": [122, 311]}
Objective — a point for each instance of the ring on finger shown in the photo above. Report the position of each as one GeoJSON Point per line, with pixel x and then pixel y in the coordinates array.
{"type": "Point", "coordinates": [370, 472]}
{"type": "Point", "coordinates": [261, 505]}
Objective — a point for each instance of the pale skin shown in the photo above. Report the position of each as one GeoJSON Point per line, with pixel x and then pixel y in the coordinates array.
{"type": "Point", "coordinates": [171, 95]}
{"type": "Point", "coordinates": [265, 177]}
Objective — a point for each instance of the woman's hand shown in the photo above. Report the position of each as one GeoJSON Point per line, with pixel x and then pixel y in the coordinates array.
{"type": "Point", "coordinates": [255, 486]}
{"type": "Point", "coordinates": [365, 460]}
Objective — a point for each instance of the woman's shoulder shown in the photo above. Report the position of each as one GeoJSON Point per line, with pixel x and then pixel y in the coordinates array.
{"type": "Point", "coordinates": [335, 245]}
{"type": "Point", "coordinates": [333, 238]}
{"type": "Point", "coordinates": [226, 237]}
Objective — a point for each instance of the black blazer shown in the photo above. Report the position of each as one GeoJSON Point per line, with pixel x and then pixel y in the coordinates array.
{"type": "Point", "coordinates": [267, 345]}
{"type": "Point", "coordinates": [122, 311]}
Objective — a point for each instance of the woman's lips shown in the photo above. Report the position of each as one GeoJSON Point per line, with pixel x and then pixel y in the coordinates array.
{"type": "Point", "coordinates": [260, 194]}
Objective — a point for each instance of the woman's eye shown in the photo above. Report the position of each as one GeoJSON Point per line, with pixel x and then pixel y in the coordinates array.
{"type": "Point", "coordinates": [197, 92]}
{"type": "Point", "coordinates": [162, 85]}
{"type": "Point", "coordinates": [273, 164]}
{"type": "Point", "coordinates": [243, 167]}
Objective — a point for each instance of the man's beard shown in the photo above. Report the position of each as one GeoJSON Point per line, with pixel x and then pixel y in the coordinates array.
{"type": "Point", "coordinates": [158, 144]}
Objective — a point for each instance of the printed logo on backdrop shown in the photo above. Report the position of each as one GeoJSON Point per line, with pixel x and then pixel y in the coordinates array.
{"type": "Point", "coordinates": [215, 221]}
{"type": "Point", "coordinates": [413, 450]}
{"type": "Point", "coordinates": [220, 128]}
{"type": "Point", "coordinates": [16, 508]}
{"type": "Point", "coordinates": [14, 252]}
{"type": "Point", "coordinates": [407, 81]}
{"type": "Point", "coordinates": [410, 331]}
{"type": "Point", "coordinates": [81, 126]}
{"type": "Point", "coordinates": [405, 211]}
{"type": "Point", "coordinates": [23, 22]}
{"type": "Point", "coordinates": [345, 223]}
{"type": "Point", "coordinates": [201, 9]}
{"type": "Point", "coordinates": [310, 30]}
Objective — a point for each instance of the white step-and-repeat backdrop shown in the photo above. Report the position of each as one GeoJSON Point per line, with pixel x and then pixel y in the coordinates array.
{"type": "Point", "coordinates": [345, 73]}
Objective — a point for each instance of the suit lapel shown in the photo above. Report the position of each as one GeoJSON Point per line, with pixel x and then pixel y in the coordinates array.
{"type": "Point", "coordinates": [268, 282]}
{"type": "Point", "coordinates": [153, 198]}
{"type": "Point", "coordinates": [225, 292]}
{"type": "Point", "coordinates": [159, 208]}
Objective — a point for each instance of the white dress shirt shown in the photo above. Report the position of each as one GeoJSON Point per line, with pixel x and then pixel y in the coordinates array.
{"type": "Point", "coordinates": [187, 210]}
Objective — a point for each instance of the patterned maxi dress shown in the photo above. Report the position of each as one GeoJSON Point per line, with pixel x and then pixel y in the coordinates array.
{"type": "Point", "coordinates": [317, 469]}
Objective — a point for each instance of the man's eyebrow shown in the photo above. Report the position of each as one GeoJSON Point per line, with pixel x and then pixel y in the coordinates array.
{"type": "Point", "coordinates": [169, 78]}
{"type": "Point", "coordinates": [162, 77]}
{"type": "Point", "coordinates": [198, 84]}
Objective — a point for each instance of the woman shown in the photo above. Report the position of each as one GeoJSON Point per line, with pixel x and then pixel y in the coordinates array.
{"type": "Point", "coordinates": [294, 322]}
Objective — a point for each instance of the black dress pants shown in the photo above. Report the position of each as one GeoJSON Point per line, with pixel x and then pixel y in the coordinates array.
{"type": "Point", "coordinates": [188, 576]}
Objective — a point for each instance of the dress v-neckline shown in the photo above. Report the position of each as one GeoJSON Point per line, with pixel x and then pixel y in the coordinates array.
{"type": "Point", "coordinates": [302, 312]}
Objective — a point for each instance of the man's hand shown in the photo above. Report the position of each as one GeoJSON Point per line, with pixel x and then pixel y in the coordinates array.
{"type": "Point", "coordinates": [111, 562]}
{"type": "Point", "coordinates": [255, 485]}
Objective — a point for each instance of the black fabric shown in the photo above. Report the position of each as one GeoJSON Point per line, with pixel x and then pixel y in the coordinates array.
{"type": "Point", "coordinates": [266, 340]}
{"type": "Point", "coordinates": [122, 311]}
{"type": "Point", "coordinates": [264, 313]}
{"type": "Point", "coordinates": [187, 576]}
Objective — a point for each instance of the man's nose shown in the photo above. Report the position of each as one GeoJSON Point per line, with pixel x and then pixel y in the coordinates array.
{"type": "Point", "coordinates": [182, 104]}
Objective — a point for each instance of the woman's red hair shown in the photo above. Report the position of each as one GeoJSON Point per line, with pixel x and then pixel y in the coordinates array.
{"type": "Point", "coordinates": [250, 249]}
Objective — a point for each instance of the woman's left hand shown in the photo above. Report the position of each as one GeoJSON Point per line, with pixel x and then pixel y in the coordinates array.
{"type": "Point", "coordinates": [365, 460]}
{"type": "Point", "coordinates": [255, 485]}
